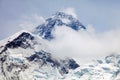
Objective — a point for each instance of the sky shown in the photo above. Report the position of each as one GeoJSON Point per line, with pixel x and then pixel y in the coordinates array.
{"type": "Point", "coordinates": [103, 15]}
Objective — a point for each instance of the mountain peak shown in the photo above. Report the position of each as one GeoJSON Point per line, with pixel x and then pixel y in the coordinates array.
{"type": "Point", "coordinates": [21, 40]}
{"type": "Point", "coordinates": [58, 19]}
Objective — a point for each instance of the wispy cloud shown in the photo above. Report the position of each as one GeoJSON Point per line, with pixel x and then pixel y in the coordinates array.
{"type": "Point", "coordinates": [30, 22]}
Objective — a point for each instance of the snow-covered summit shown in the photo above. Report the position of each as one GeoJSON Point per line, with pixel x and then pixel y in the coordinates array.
{"type": "Point", "coordinates": [58, 19]}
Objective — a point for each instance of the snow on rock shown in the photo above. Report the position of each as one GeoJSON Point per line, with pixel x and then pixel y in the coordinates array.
{"type": "Point", "coordinates": [58, 19]}
{"type": "Point", "coordinates": [23, 56]}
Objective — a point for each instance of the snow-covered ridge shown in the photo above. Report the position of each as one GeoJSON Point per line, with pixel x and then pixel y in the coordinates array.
{"type": "Point", "coordinates": [24, 50]}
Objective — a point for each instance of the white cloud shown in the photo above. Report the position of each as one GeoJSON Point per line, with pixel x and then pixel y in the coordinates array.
{"type": "Point", "coordinates": [30, 22]}
{"type": "Point", "coordinates": [83, 44]}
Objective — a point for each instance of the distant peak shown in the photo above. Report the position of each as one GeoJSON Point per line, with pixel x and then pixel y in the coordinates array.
{"type": "Point", "coordinates": [60, 18]}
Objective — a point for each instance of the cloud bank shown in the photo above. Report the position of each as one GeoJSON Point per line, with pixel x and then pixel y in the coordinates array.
{"type": "Point", "coordinates": [84, 44]}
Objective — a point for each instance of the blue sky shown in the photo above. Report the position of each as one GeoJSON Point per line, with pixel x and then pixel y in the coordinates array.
{"type": "Point", "coordinates": [102, 14]}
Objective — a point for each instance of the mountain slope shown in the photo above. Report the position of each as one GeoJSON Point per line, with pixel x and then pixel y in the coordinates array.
{"type": "Point", "coordinates": [25, 54]}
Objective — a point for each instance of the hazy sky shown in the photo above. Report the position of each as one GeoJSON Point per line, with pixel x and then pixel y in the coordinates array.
{"type": "Point", "coordinates": [102, 14]}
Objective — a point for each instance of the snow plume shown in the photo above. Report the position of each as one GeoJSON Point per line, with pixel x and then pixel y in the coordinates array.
{"type": "Point", "coordinates": [70, 11]}
{"type": "Point", "coordinates": [84, 44]}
